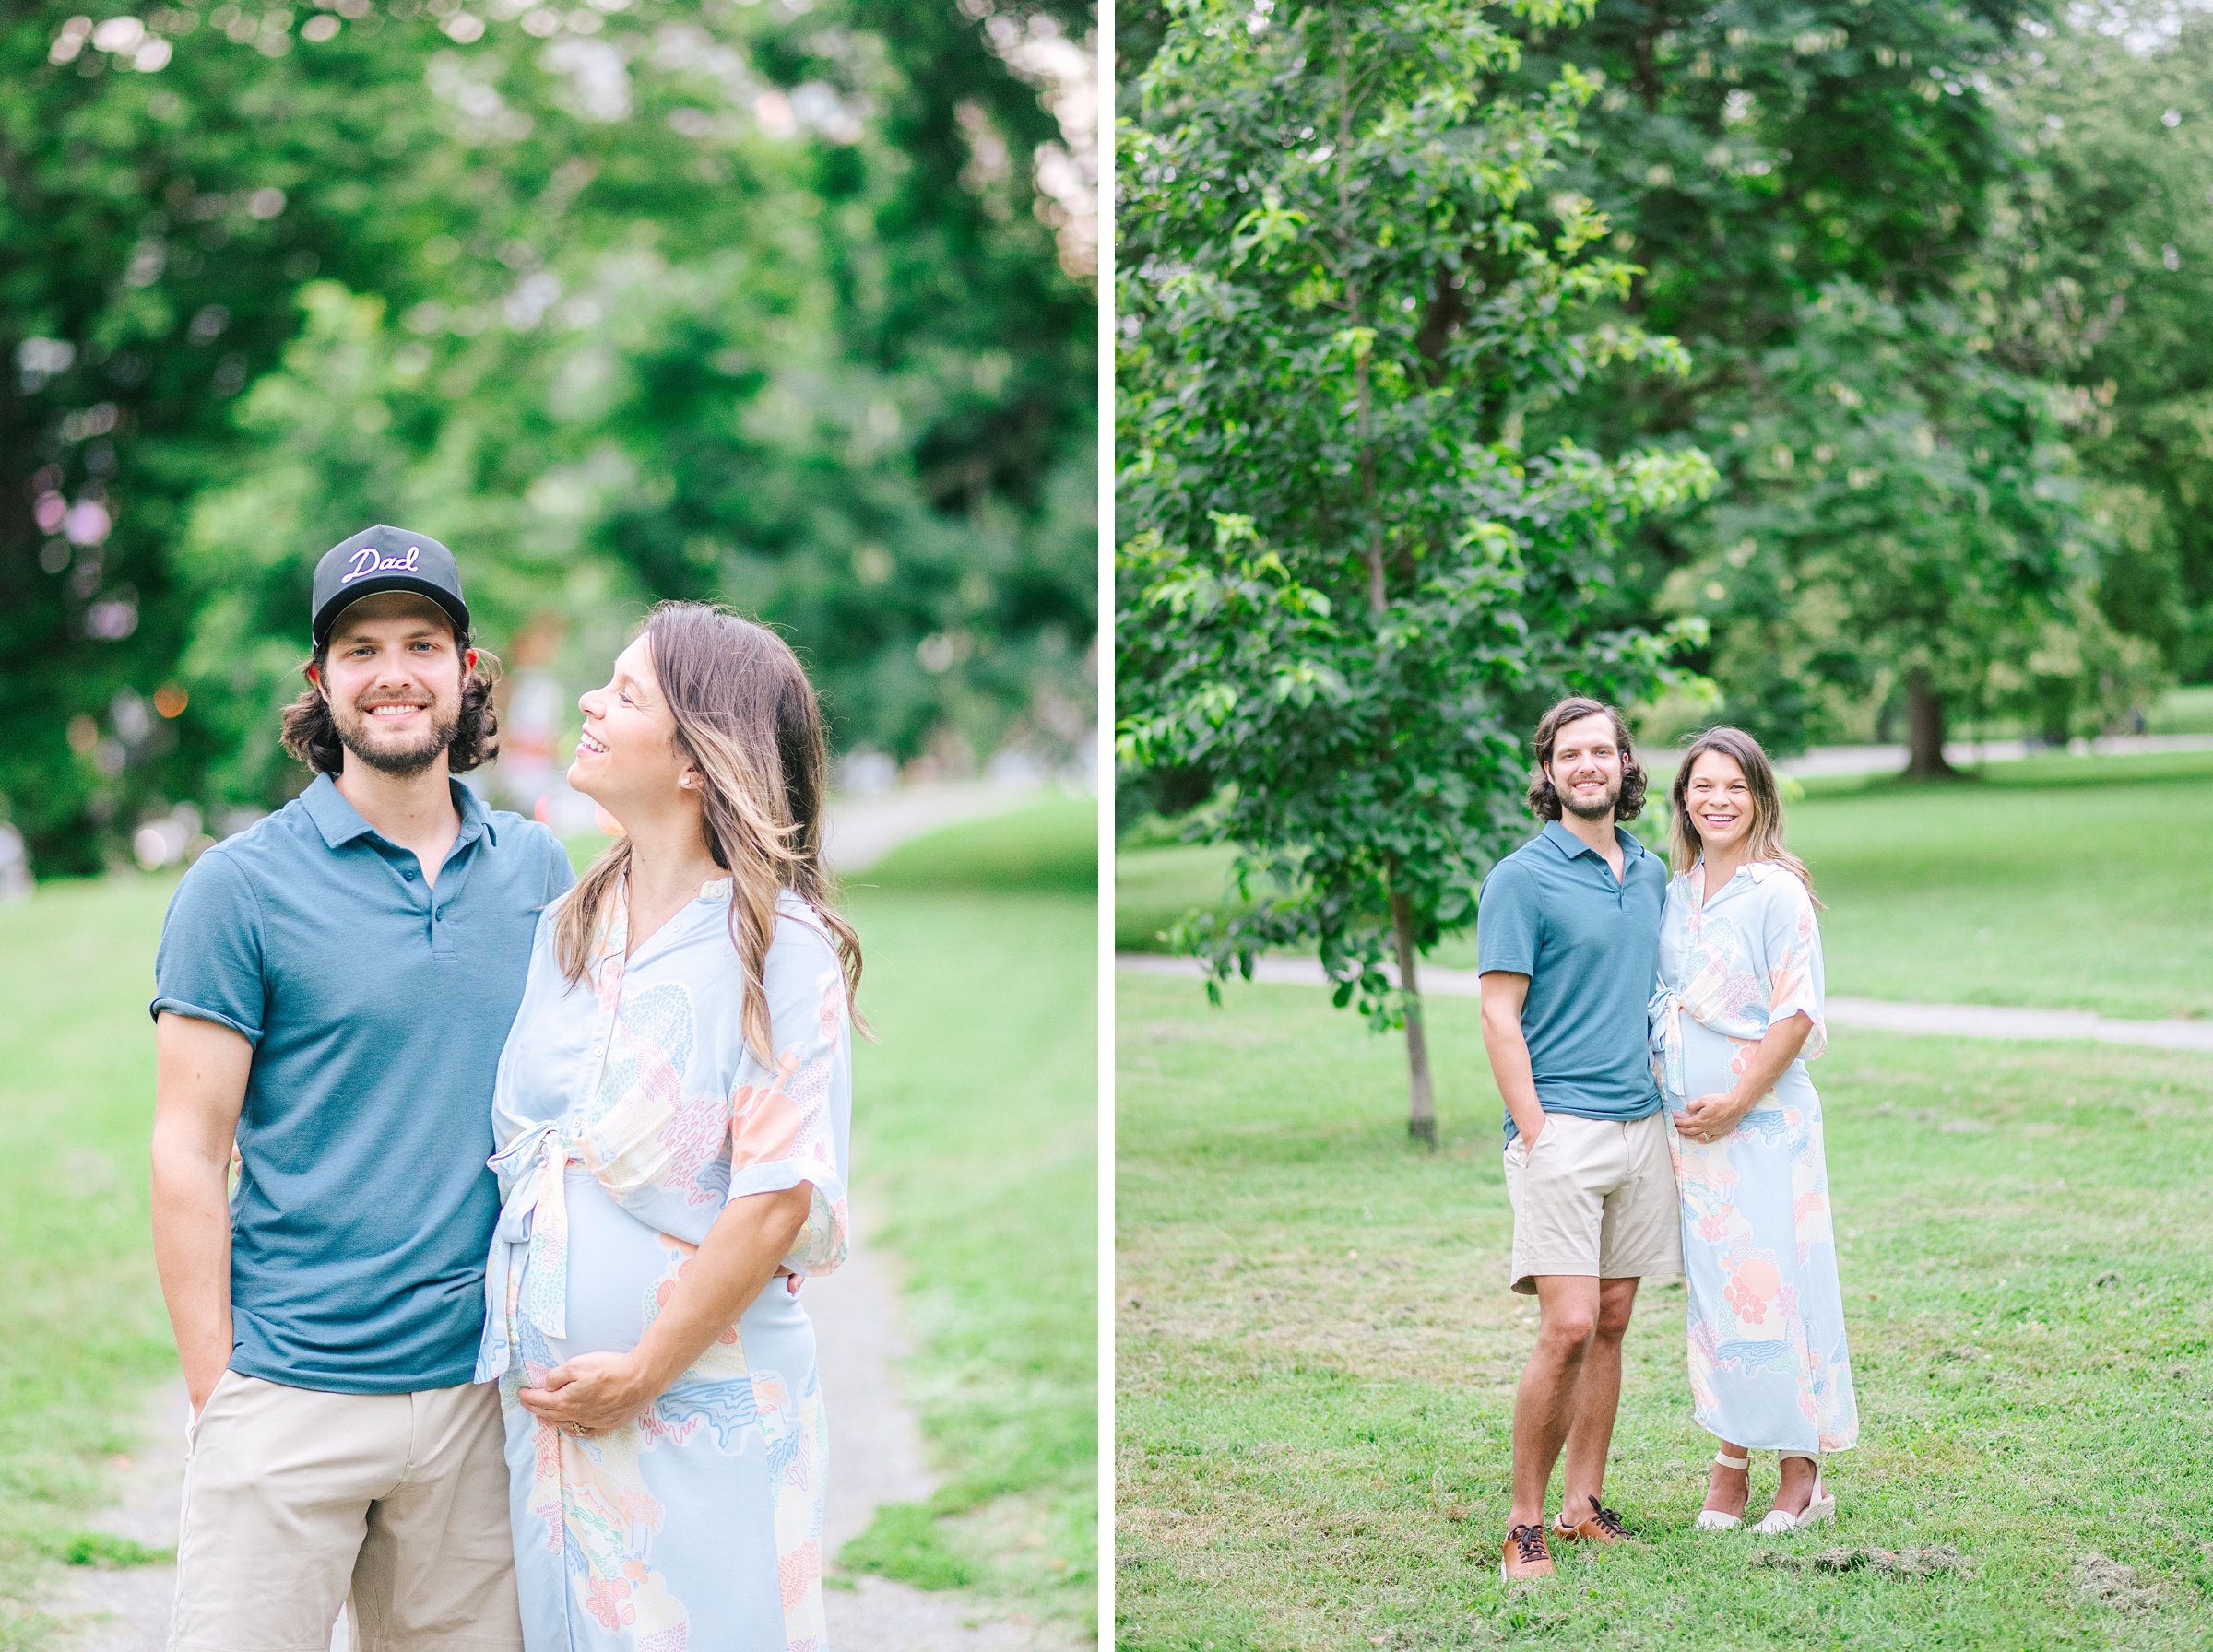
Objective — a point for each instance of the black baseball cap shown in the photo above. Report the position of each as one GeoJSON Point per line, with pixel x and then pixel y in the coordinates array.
{"type": "Point", "coordinates": [388, 559]}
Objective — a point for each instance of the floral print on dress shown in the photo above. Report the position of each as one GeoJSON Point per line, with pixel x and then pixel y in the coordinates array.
{"type": "Point", "coordinates": [628, 1111]}
{"type": "Point", "coordinates": [1770, 1368]}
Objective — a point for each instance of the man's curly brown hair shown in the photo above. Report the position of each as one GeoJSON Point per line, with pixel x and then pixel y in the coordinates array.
{"type": "Point", "coordinates": [1545, 802]}
{"type": "Point", "coordinates": [310, 734]}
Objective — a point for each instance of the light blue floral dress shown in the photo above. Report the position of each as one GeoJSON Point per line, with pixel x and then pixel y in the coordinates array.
{"type": "Point", "coordinates": [628, 1110]}
{"type": "Point", "coordinates": [1768, 1366]}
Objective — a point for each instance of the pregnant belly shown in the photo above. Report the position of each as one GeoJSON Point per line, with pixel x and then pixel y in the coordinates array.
{"type": "Point", "coordinates": [619, 1268]}
{"type": "Point", "coordinates": [1709, 1062]}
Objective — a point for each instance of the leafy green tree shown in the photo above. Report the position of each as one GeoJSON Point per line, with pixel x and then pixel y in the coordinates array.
{"type": "Point", "coordinates": [2017, 201]}
{"type": "Point", "coordinates": [1752, 155]}
{"type": "Point", "coordinates": [166, 189]}
{"type": "Point", "coordinates": [1347, 585]}
{"type": "Point", "coordinates": [660, 298]}
{"type": "Point", "coordinates": [1762, 161]}
{"type": "Point", "coordinates": [1897, 507]}
{"type": "Point", "coordinates": [2109, 255]}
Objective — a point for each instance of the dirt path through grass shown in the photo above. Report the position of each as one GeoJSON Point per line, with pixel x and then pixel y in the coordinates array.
{"type": "Point", "coordinates": [880, 1459]}
{"type": "Point", "coordinates": [976, 1146]}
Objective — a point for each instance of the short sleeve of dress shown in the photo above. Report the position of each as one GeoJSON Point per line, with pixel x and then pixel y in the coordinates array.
{"type": "Point", "coordinates": [789, 1127]}
{"type": "Point", "coordinates": [209, 964]}
{"type": "Point", "coordinates": [1790, 937]}
{"type": "Point", "coordinates": [1506, 921]}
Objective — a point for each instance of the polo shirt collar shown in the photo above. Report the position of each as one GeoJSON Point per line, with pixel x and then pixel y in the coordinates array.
{"type": "Point", "coordinates": [475, 819]}
{"type": "Point", "coordinates": [340, 822]}
{"type": "Point", "coordinates": [1569, 845]}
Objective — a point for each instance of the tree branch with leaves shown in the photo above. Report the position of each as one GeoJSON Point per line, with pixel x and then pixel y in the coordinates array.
{"type": "Point", "coordinates": [1346, 589]}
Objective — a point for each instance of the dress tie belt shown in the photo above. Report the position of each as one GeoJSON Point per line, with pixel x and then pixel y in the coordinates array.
{"type": "Point", "coordinates": [1664, 1017]}
{"type": "Point", "coordinates": [530, 1240]}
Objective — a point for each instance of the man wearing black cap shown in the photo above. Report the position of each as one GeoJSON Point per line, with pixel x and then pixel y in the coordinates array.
{"type": "Point", "coordinates": [333, 990]}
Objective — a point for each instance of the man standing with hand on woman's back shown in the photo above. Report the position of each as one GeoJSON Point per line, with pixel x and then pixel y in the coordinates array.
{"type": "Point", "coordinates": [1568, 939]}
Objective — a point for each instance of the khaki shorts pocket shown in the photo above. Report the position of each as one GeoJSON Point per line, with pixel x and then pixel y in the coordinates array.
{"type": "Point", "coordinates": [1520, 1147]}
{"type": "Point", "coordinates": [193, 1418]}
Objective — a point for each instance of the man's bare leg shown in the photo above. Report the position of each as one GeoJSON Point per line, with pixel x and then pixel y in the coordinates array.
{"type": "Point", "coordinates": [1568, 1314]}
{"type": "Point", "coordinates": [1597, 1399]}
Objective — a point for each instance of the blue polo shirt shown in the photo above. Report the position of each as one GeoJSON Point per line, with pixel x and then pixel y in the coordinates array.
{"type": "Point", "coordinates": [1590, 945]}
{"type": "Point", "coordinates": [377, 1008]}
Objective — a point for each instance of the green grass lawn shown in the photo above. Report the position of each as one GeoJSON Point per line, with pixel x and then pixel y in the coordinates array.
{"type": "Point", "coordinates": [1154, 887]}
{"type": "Point", "coordinates": [2183, 710]}
{"type": "Point", "coordinates": [975, 1151]}
{"type": "Point", "coordinates": [1317, 1353]}
{"type": "Point", "coordinates": [2081, 884]}
{"type": "Point", "coordinates": [975, 1124]}
{"type": "Point", "coordinates": [2034, 885]}
{"type": "Point", "coordinates": [1052, 845]}
{"type": "Point", "coordinates": [84, 1332]}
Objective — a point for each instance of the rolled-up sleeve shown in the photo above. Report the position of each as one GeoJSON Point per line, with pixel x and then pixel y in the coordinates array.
{"type": "Point", "coordinates": [787, 1125]}
{"type": "Point", "coordinates": [1791, 938]}
{"type": "Point", "coordinates": [210, 961]}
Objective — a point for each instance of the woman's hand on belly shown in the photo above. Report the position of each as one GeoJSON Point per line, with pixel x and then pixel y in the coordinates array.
{"type": "Point", "coordinates": [1714, 1117]}
{"type": "Point", "coordinates": [592, 1394]}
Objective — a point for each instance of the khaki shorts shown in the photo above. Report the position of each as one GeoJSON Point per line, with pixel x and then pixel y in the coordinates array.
{"type": "Point", "coordinates": [299, 1501]}
{"type": "Point", "coordinates": [1594, 1197]}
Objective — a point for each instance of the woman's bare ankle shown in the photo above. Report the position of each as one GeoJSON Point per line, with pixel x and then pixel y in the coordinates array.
{"type": "Point", "coordinates": [1795, 1491]}
{"type": "Point", "coordinates": [1728, 1490]}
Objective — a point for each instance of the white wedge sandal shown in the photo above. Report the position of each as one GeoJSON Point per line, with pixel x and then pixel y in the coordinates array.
{"type": "Point", "coordinates": [1819, 1507]}
{"type": "Point", "coordinates": [1712, 1519]}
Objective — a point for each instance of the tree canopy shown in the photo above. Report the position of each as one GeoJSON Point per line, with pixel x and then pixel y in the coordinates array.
{"type": "Point", "coordinates": [1348, 579]}
{"type": "Point", "coordinates": [785, 304]}
{"type": "Point", "coordinates": [1827, 369]}
{"type": "Point", "coordinates": [1995, 217]}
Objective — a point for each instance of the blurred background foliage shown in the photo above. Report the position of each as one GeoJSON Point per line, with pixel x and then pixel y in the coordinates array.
{"type": "Point", "coordinates": [1941, 272]}
{"type": "Point", "coordinates": [787, 303]}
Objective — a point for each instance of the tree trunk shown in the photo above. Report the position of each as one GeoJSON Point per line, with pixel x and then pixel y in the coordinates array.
{"type": "Point", "coordinates": [1421, 1114]}
{"type": "Point", "coordinates": [1924, 729]}
{"type": "Point", "coordinates": [1376, 601]}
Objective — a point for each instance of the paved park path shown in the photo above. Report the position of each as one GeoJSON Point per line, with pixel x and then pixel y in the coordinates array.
{"type": "Point", "coordinates": [864, 830]}
{"type": "Point", "coordinates": [1954, 1020]}
{"type": "Point", "coordinates": [877, 1454]}
{"type": "Point", "coordinates": [1969, 754]}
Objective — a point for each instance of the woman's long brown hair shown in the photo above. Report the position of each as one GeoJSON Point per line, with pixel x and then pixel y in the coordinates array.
{"type": "Point", "coordinates": [747, 720]}
{"type": "Point", "coordinates": [1765, 840]}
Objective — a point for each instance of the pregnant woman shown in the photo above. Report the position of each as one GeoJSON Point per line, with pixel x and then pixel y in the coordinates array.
{"type": "Point", "coordinates": [671, 1117]}
{"type": "Point", "coordinates": [1735, 1020]}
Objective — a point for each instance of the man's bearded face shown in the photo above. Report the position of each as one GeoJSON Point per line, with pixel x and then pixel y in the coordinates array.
{"type": "Point", "coordinates": [393, 678]}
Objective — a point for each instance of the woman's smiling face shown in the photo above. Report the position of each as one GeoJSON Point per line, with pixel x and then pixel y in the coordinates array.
{"type": "Point", "coordinates": [628, 752]}
{"type": "Point", "coordinates": [1719, 799]}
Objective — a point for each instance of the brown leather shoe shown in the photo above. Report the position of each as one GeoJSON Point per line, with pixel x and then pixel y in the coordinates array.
{"type": "Point", "coordinates": [1601, 1527]}
{"type": "Point", "coordinates": [1526, 1555]}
